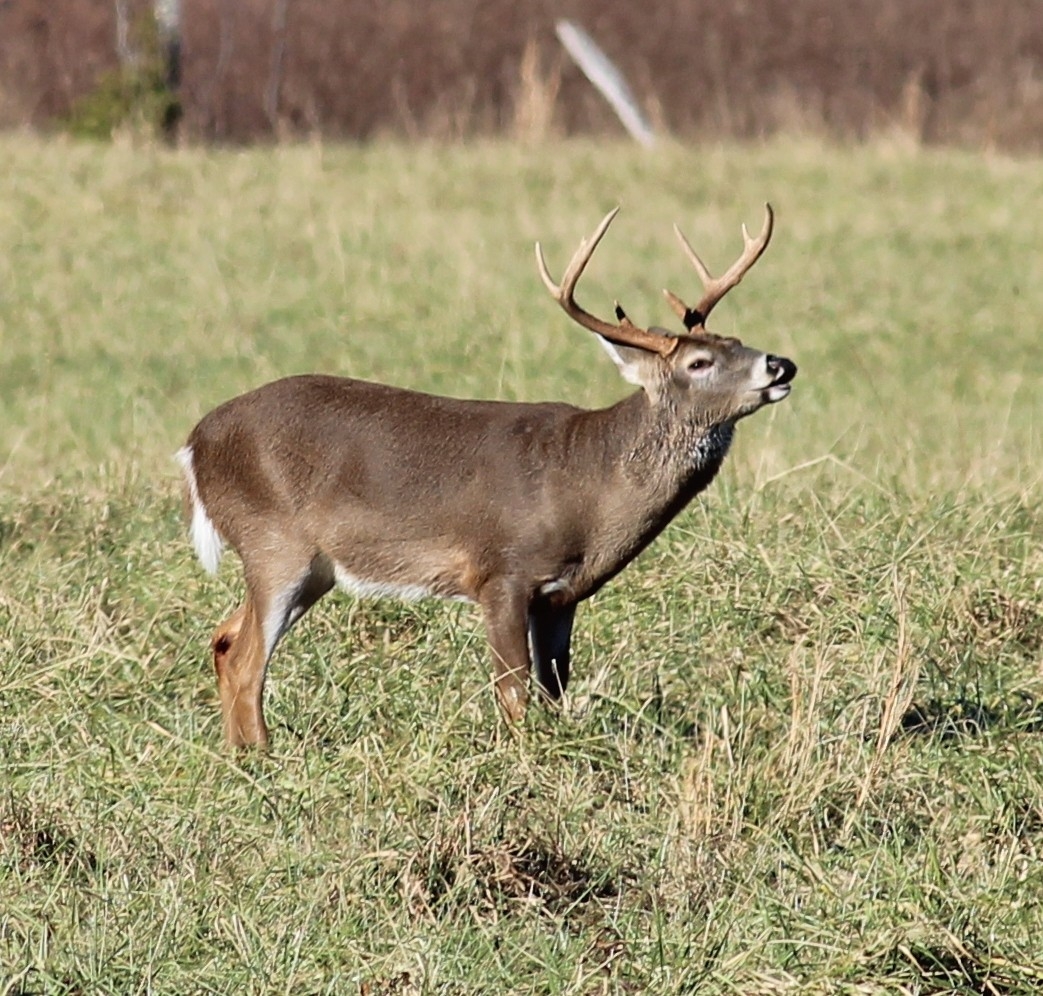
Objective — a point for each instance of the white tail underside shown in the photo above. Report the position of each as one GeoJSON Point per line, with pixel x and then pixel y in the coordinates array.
{"type": "Point", "coordinates": [205, 538]}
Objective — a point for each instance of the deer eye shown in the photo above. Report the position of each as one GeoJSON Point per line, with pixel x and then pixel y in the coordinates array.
{"type": "Point", "coordinates": [699, 364]}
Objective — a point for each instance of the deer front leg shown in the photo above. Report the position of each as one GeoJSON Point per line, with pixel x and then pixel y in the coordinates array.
{"type": "Point", "coordinates": [506, 613]}
{"type": "Point", "coordinates": [550, 634]}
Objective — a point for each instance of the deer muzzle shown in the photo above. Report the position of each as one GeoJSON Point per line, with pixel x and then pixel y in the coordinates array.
{"type": "Point", "coordinates": [782, 371]}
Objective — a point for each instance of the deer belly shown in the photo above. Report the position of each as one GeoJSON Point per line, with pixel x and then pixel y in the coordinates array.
{"type": "Point", "coordinates": [409, 588]}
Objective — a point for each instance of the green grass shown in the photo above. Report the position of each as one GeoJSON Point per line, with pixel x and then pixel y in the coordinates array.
{"type": "Point", "coordinates": [802, 751]}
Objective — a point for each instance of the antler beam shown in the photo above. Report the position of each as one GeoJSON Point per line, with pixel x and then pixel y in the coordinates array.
{"type": "Point", "coordinates": [625, 333]}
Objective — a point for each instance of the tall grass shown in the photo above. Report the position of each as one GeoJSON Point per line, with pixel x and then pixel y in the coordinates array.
{"type": "Point", "coordinates": [801, 751]}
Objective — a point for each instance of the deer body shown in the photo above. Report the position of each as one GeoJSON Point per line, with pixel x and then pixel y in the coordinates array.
{"type": "Point", "coordinates": [524, 509]}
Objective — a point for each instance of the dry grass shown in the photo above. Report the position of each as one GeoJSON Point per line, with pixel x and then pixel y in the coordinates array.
{"type": "Point", "coordinates": [802, 751]}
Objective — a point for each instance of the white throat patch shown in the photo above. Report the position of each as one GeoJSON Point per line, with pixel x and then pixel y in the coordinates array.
{"type": "Point", "coordinates": [713, 446]}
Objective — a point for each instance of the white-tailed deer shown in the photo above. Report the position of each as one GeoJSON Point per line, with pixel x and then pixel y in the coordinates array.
{"type": "Point", "coordinates": [524, 509]}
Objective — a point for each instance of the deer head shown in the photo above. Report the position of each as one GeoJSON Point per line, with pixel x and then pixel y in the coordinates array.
{"type": "Point", "coordinates": [712, 378]}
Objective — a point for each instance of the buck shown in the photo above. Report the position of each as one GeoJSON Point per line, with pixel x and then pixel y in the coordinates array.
{"type": "Point", "coordinates": [525, 509]}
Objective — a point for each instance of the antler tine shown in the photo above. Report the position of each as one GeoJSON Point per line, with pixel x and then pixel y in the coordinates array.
{"type": "Point", "coordinates": [577, 264]}
{"type": "Point", "coordinates": [716, 287]}
{"type": "Point", "coordinates": [626, 333]}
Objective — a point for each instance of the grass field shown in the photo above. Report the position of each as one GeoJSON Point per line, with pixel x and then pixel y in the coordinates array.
{"type": "Point", "coordinates": [803, 749]}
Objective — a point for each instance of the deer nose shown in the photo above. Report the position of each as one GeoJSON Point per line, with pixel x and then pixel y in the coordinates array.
{"type": "Point", "coordinates": [782, 370]}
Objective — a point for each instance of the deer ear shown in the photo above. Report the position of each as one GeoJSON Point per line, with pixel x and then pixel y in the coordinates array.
{"type": "Point", "coordinates": [633, 363]}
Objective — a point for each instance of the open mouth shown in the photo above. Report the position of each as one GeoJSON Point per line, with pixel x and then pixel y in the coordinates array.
{"type": "Point", "coordinates": [780, 387]}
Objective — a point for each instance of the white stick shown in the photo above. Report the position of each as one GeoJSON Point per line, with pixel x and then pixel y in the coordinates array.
{"type": "Point", "coordinates": [601, 71]}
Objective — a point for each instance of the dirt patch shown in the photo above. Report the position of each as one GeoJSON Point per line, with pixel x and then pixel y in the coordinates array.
{"type": "Point", "coordinates": [39, 839]}
{"type": "Point", "coordinates": [490, 879]}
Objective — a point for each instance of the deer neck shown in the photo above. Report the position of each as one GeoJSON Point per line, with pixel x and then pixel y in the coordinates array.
{"type": "Point", "coordinates": [650, 465]}
{"type": "Point", "coordinates": [652, 448]}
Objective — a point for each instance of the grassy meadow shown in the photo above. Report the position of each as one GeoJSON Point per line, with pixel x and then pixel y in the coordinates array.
{"type": "Point", "coordinates": [803, 747]}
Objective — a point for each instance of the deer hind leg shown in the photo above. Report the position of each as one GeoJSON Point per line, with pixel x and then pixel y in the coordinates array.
{"type": "Point", "coordinates": [239, 661]}
{"type": "Point", "coordinates": [506, 614]}
{"type": "Point", "coordinates": [550, 636]}
{"type": "Point", "coordinates": [243, 644]}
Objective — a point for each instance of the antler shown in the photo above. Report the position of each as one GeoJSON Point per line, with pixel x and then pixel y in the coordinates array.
{"type": "Point", "coordinates": [625, 333]}
{"type": "Point", "coordinates": [717, 287]}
